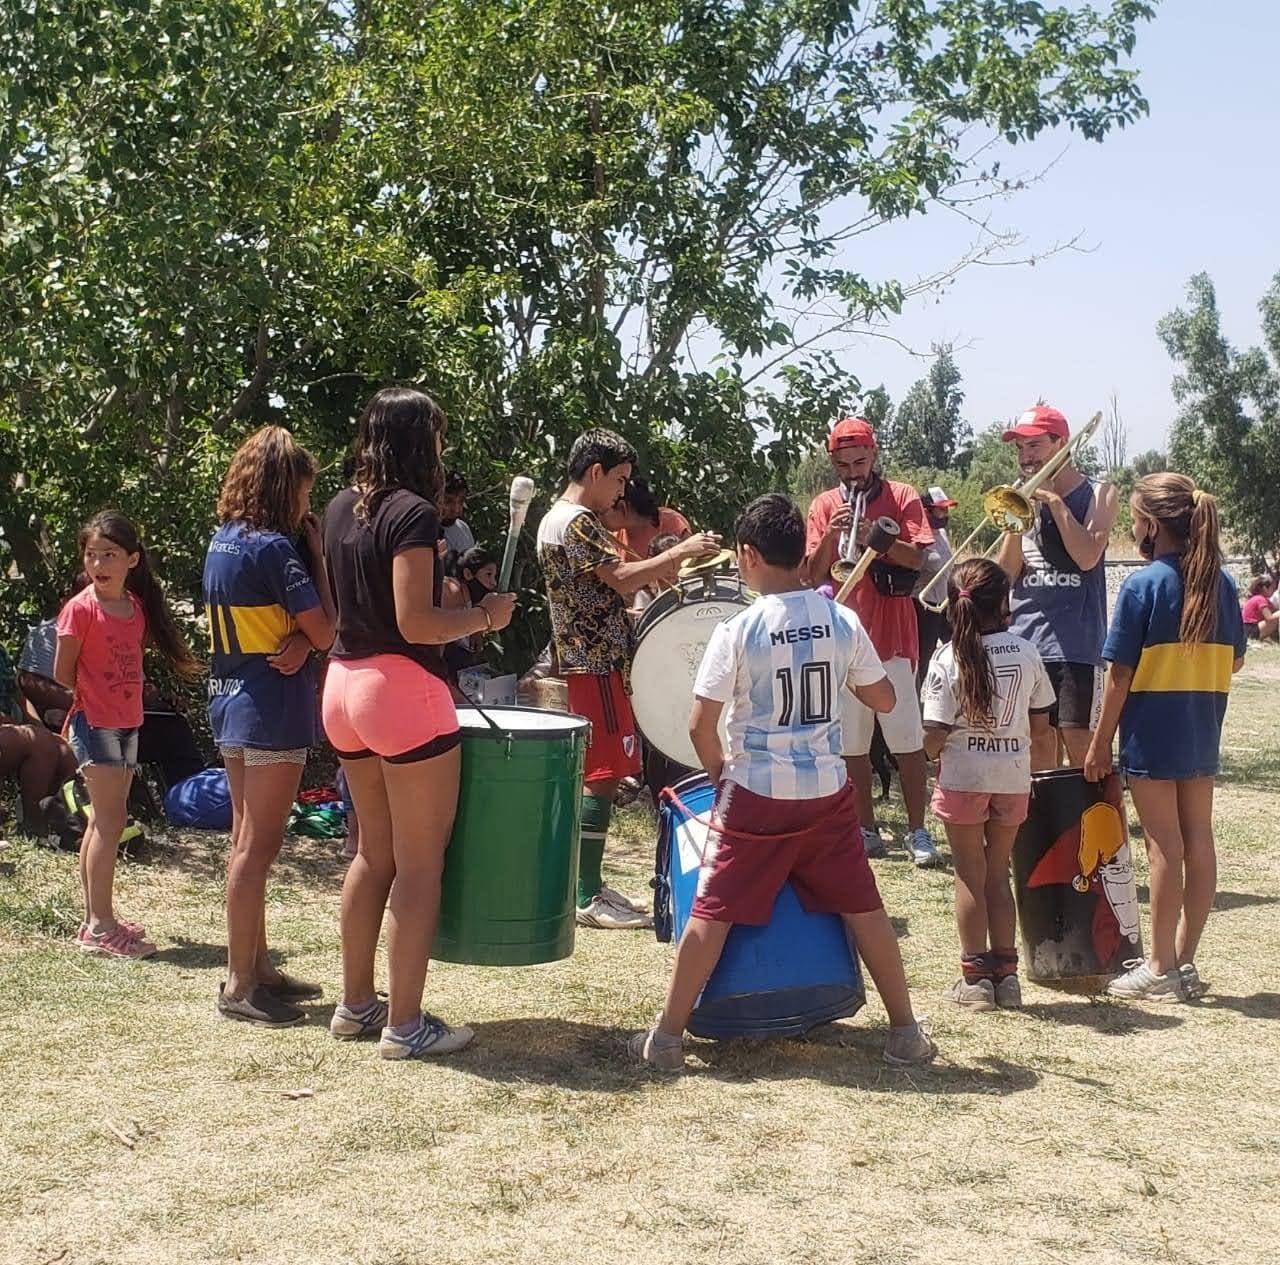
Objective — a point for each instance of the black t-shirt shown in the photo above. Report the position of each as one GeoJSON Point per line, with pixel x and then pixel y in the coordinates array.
{"type": "Point", "coordinates": [358, 559]}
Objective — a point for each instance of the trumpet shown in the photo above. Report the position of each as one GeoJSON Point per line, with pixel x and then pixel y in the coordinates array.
{"type": "Point", "coordinates": [843, 567]}
{"type": "Point", "coordinates": [1009, 510]}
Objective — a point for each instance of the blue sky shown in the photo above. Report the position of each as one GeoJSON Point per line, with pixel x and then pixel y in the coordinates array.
{"type": "Point", "coordinates": [1193, 187]}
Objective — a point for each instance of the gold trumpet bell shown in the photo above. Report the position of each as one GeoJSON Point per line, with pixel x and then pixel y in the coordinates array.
{"type": "Point", "coordinates": [1008, 510]}
{"type": "Point", "coordinates": [841, 570]}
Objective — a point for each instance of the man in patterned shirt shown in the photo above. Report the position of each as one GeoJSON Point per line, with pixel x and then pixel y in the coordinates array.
{"type": "Point", "coordinates": [784, 808]}
{"type": "Point", "coordinates": [587, 587]}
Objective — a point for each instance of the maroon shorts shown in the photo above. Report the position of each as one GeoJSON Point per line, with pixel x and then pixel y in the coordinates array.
{"type": "Point", "coordinates": [614, 752]}
{"type": "Point", "coordinates": [816, 843]}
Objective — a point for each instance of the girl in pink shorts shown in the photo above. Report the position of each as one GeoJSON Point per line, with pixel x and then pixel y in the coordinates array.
{"type": "Point", "coordinates": [985, 695]}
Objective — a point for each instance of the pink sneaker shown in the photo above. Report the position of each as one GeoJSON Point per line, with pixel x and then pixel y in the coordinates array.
{"type": "Point", "coordinates": [117, 943]}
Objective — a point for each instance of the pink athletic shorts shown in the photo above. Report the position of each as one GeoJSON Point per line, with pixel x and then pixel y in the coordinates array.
{"type": "Point", "coordinates": [976, 808]}
{"type": "Point", "coordinates": [387, 706]}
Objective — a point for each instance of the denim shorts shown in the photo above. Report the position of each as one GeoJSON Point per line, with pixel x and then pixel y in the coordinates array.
{"type": "Point", "coordinates": [116, 748]}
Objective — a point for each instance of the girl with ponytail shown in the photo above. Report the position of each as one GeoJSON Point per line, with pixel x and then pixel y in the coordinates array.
{"type": "Point", "coordinates": [101, 635]}
{"type": "Point", "coordinates": [986, 694]}
{"type": "Point", "coordinates": [1175, 640]}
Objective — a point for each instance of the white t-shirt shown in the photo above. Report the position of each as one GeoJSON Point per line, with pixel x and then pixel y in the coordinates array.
{"type": "Point", "coordinates": [995, 759]}
{"type": "Point", "coordinates": [778, 665]}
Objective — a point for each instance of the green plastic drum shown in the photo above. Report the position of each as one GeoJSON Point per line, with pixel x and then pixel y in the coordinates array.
{"type": "Point", "coordinates": [511, 872]}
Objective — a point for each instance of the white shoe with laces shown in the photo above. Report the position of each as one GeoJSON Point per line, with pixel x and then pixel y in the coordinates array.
{"type": "Point", "coordinates": [1141, 983]}
{"type": "Point", "coordinates": [924, 852]}
{"type": "Point", "coordinates": [610, 915]}
{"type": "Point", "coordinates": [617, 898]}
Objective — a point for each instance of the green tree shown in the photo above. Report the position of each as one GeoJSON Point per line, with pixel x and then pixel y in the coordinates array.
{"type": "Point", "coordinates": [1227, 432]}
{"type": "Point", "coordinates": [927, 429]}
{"type": "Point", "coordinates": [215, 213]}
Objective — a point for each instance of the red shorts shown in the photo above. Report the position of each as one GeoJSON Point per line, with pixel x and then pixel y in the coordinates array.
{"type": "Point", "coordinates": [976, 808]}
{"type": "Point", "coordinates": [816, 843]}
{"type": "Point", "coordinates": [615, 747]}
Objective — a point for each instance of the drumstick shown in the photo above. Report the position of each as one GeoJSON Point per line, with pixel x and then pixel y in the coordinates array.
{"type": "Point", "coordinates": [522, 490]}
{"type": "Point", "coordinates": [884, 532]}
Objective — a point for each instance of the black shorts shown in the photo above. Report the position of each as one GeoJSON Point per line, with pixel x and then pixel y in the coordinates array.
{"type": "Point", "coordinates": [1077, 687]}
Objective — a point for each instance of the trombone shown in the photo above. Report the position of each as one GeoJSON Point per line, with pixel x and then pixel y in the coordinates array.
{"type": "Point", "coordinates": [1008, 510]}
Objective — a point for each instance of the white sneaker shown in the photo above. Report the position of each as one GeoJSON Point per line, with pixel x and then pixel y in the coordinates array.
{"type": "Point", "coordinates": [872, 844]}
{"type": "Point", "coordinates": [1141, 983]}
{"type": "Point", "coordinates": [615, 897]}
{"type": "Point", "coordinates": [924, 852]}
{"type": "Point", "coordinates": [432, 1037]}
{"type": "Point", "coordinates": [609, 915]}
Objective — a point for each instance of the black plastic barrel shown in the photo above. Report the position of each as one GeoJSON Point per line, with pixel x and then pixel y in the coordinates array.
{"type": "Point", "coordinates": [1073, 881]}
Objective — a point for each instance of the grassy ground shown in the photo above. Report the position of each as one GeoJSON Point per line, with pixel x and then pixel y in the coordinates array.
{"type": "Point", "coordinates": [137, 1127]}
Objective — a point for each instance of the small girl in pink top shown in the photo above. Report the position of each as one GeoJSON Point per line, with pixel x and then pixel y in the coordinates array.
{"type": "Point", "coordinates": [101, 635]}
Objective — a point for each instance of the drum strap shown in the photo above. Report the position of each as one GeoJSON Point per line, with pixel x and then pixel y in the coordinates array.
{"type": "Point", "coordinates": [744, 836]}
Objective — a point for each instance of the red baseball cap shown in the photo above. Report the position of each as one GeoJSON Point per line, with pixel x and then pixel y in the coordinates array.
{"type": "Point", "coordinates": [1041, 420]}
{"type": "Point", "coordinates": [851, 432]}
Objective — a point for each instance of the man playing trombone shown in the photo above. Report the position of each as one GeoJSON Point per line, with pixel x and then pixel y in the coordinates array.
{"type": "Point", "coordinates": [839, 525]}
{"type": "Point", "coordinates": [1059, 598]}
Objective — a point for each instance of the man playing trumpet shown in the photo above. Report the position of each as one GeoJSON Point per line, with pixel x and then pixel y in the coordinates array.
{"type": "Point", "coordinates": [882, 602]}
{"type": "Point", "coordinates": [1059, 597]}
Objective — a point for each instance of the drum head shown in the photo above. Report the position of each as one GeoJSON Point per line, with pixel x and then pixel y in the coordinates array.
{"type": "Point", "coordinates": [671, 640]}
{"type": "Point", "coordinates": [518, 722]}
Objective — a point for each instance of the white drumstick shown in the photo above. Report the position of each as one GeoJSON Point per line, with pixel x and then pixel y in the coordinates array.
{"type": "Point", "coordinates": [522, 490]}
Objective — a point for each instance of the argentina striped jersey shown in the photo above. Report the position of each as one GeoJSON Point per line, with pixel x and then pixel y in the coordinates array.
{"type": "Point", "coordinates": [778, 667]}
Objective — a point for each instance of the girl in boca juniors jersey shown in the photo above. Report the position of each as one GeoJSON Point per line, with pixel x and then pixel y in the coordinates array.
{"type": "Point", "coordinates": [985, 695]}
{"type": "Point", "coordinates": [1176, 638]}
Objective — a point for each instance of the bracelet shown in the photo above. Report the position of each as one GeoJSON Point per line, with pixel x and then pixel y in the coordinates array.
{"type": "Point", "coordinates": [488, 619]}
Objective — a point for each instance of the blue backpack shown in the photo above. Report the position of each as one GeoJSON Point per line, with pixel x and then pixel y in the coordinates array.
{"type": "Point", "coordinates": [201, 801]}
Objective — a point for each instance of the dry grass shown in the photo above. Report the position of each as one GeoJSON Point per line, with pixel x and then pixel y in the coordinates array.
{"type": "Point", "coordinates": [139, 1128]}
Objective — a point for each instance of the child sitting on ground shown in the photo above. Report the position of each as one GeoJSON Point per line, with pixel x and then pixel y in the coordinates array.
{"type": "Point", "coordinates": [784, 808]}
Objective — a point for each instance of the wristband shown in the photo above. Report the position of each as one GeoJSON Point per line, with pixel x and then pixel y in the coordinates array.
{"type": "Point", "coordinates": [488, 619]}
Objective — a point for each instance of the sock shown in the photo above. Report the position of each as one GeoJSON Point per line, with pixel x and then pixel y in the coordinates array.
{"type": "Point", "coordinates": [408, 1028]}
{"type": "Point", "coordinates": [595, 826]}
{"type": "Point", "coordinates": [975, 967]}
{"type": "Point", "coordinates": [1004, 963]}
{"type": "Point", "coordinates": [354, 1008]}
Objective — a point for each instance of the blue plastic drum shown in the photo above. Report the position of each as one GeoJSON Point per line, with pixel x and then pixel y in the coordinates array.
{"type": "Point", "coordinates": [778, 980]}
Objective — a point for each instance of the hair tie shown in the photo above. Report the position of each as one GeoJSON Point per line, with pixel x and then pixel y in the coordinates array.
{"type": "Point", "coordinates": [1196, 496]}
{"type": "Point", "coordinates": [964, 592]}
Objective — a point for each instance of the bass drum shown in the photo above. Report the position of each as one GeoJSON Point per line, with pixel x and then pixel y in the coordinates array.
{"type": "Point", "coordinates": [671, 638]}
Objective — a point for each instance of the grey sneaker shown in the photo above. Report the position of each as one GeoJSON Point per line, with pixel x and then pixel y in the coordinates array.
{"type": "Point", "coordinates": [433, 1036]}
{"type": "Point", "coordinates": [658, 1049]}
{"type": "Point", "coordinates": [872, 844]}
{"type": "Point", "coordinates": [1141, 983]}
{"type": "Point", "coordinates": [1193, 987]}
{"type": "Point", "coordinates": [367, 1021]}
{"type": "Point", "coordinates": [980, 995]}
{"type": "Point", "coordinates": [924, 852]}
{"type": "Point", "coordinates": [611, 915]}
{"type": "Point", "coordinates": [911, 1045]}
{"type": "Point", "coordinates": [1009, 993]}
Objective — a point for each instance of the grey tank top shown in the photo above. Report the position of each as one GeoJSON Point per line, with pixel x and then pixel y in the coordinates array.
{"type": "Point", "coordinates": [1056, 606]}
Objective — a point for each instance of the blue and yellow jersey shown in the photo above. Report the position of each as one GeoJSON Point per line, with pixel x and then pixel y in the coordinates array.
{"type": "Point", "coordinates": [255, 584]}
{"type": "Point", "coordinates": [1171, 725]}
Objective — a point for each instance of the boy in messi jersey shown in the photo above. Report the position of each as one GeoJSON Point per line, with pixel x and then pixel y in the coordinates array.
{"type": "Point", "coordinates": [784, 807]}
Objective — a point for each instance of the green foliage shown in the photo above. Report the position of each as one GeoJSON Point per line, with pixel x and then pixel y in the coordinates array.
{"type": "Point", "coordinates": [927, 429]}
{"type": "Point", "coordinates": [1227, 432]}
{"type": "Point", "coordinates": [218, 213]}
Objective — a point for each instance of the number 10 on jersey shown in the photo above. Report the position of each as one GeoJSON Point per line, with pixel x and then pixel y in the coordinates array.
{"type": "Point", "coordinates": [815, 694]}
